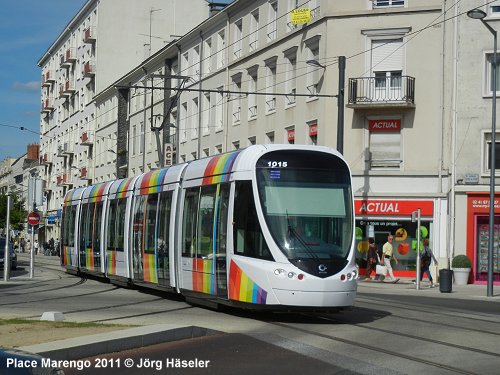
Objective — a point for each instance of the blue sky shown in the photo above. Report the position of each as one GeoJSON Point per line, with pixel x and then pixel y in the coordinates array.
{"type": "Point", "coordinates": [27, 29]}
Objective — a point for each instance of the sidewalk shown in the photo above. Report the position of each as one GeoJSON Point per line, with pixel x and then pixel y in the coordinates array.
{"type": "Point", "coordinates": [407, 286]}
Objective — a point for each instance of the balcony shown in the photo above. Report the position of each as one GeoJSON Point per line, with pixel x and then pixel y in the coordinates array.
{"type": "Point", "coordinates": [385, 92]}
{"type": "Point", "coordinates": [89, 35]}
{"type": "Point", "coordinates": [48, 79]}
{"type": "Point", "coordinates": [88, 69]}
{"type": "Point", "coordinates": [68, 58]}
{"type": "Point", "coordinates": [62, 179]}
{"type": "Point", "coordinates": [87, 138]}
{"type": "Point", "coordinates": [47, 105]}
{"type": "Point", "coordinates": [85, 174]}
{"type": "Point", "coordinates": [65, 149]}
{"type": "Point", "coordinates": [67, 88]}
{"type": "Point", "coordinates": [46, 159]}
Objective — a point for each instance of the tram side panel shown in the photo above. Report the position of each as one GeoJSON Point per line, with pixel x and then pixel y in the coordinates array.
{"type": "Point", "coordinates": [153, 226]}
{"type": "Point", "coordinates": [70, 230]}
{"type": "Point", "coordinates": [91, 227]}
{"type": "Point", "coordinates": [118, 213]}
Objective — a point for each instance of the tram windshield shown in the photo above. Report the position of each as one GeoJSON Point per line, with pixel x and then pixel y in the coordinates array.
{"type": "Point", "coordinates": [307, 203]}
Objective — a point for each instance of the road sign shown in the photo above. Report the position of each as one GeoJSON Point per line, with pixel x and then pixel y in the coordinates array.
{"type": "Point", "coordinates": [33, 218]}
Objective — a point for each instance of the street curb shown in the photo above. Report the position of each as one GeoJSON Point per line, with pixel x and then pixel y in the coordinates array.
{"type": "Point", "coordinates": [99, 344]}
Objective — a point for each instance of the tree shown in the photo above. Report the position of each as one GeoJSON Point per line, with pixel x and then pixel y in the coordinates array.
{"type": "Point", "coordinates": [17, 213]}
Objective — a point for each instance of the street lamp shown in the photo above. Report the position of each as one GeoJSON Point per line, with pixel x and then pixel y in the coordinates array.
{"type": "Point", "coordinates": [478, 14]}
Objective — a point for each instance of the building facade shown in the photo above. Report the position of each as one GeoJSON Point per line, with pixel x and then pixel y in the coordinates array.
{"type": "Point", "coordinates": [100, 44]}
{"type": "Point", "coordinates": [416, 108]}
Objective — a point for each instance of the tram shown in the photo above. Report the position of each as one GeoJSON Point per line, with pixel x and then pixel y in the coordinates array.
{"type": "Point", "coordinates": [268, 226]}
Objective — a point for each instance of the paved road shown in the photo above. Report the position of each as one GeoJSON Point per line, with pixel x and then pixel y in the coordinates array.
{"type": "Point", "coordinates": [393, 329]}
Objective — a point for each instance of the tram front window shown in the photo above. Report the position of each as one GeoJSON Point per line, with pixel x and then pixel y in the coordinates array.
{"type": "Point", "coordinates": [308, 211]}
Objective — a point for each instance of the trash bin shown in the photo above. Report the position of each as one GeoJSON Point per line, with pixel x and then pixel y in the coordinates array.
{"type": "Point", "coordinates": [445, 280]}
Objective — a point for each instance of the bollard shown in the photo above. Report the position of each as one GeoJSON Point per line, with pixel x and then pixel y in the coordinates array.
{"type": "Point", "coordinates": [445, 280]}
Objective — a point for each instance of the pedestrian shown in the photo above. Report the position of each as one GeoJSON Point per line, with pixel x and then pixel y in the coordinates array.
{"type": "Point", "coordinates": [387, 255]}
{"type": "Point", "coordinates": [372, 259]}
{"type": "Point", "coordinates": [426, 258]}
{"type": "Point", "coordinates": [28, 246]}
{"type": "Point", "coordinates": [23, 244]}
{"type": "Point", "coordinates": [36, 246]}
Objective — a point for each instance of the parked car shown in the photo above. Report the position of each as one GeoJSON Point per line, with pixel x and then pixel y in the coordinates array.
{"type": "Point", "coordinates": [13, 255]}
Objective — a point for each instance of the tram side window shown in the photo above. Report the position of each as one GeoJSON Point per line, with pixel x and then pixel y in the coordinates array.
{"type": "Point", "coordinates": [150, 234]}
{"type": "Point", "coordinates": [87, 222]}
{"type": "Point", "coordinates": [222, 219]}
{"type": "Point", "coordinates": [164, 220]}
{"type": "Point", "coordinates": [205, 231]}
{"type": "Point", "coordinates": [69, 226]}
{"type": "Point", "coordinates": [189, 222]}
{"type": "Point", "coordinates": [97, 227]}
{"type": "Point", "coordinates": [247, 234]}
{"type": "Point", "coordinates": [116, 224]}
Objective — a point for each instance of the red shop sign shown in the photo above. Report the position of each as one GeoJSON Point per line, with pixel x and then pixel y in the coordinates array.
{"type": "Point", "coordinates": [384, 125]}
{"type": "Point", "coordinates": [391, 207]}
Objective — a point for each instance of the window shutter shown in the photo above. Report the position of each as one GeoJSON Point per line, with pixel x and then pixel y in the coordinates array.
{"type": "Point", "coordinates": [387, 55]}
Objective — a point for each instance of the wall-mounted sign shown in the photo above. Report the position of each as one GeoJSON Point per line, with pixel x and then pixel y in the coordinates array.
{"type": "Point", "coordinates": [300, 16]}
{"type": "Point", "coordinates": [471, 179]}
{"type": "Point", "coordinates": [392, 207]}
{"type": "Point", "coordinates": [168, 154]}
{"type": "Point", "coordinates": [386, 125]}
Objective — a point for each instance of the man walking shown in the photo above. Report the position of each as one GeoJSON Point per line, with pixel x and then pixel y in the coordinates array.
{"type": "Point", "coordinates": [387, 254]}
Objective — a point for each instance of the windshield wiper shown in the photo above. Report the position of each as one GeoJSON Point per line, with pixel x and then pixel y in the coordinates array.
{"type": "Point", "coordinates": [298, 237]}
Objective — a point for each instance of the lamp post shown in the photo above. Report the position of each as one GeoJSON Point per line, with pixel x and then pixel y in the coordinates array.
{"type": "Point", "coordinates": [480, 15]}
{"type": "Point", "coordinates": [340, 100]}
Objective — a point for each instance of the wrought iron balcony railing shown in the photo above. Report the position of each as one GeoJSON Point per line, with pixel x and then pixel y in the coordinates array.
{"type": "Point", "coordinates": [386, 91]}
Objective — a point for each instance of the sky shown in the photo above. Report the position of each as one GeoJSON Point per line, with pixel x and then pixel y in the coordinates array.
{"type": "Point", "coordinates": [27, 29]}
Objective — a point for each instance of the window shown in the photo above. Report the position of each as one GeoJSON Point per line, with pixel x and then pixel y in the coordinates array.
{"type": "Point", "coordinates": [291, 76]}
{"type": "Point", "coordinates": [271, 85]}
{"type": "Point", "coordinates": [182, 122]}
{"type": "Point", "coordinates": [221, 49]}
{"type": "Point", "coordinates": [385, 150]}
{"type": "Point", "coordinates": [115, 226]}
{"type": "Point", "coordinates": [487, 152]}
{"type": "Point", "coordinates": [388, 3]}
{"type": "Point", "coordinates": [193, 121]}
{"type": "Point", "coordinates": [247, 234]}
{"type": "Point", "coordinates": [141, 139]}
{"type": "Point", "coordinates": [195, 61]}
{"type": "Point", "coordinates": [205, 221]}
{"type": "Point", "coordinates": [494, 9]}
{"type": "Point", "coordinates": [489, 74]}
{"type": "Point", "coordinates": [219, 104]}
{"type": "Point", "coordinates": [272, 24]}
{"type": "Point", "coordinates": [386, 65]}
{"type": "Point", "coordinates": [237, 40]}
{"type": "Point", "coordinates": [292, 4]}
{"type": "Point", "coordinates": [313, 72]}
{"type": "Point", "coordinates": [189, 223]}
{"type": "Point", "coordinates": [236, 99]}
{"type": "Point", "coordinates": [206, 113]}
{"type": "Point", "coordinates": [164, 208]}
{"type": "Point", "coordinates": [252, 98]}
{"type": "Point", "coordinates": [254, 31]}
{"type": "Point", "coordinates": [207, 61]}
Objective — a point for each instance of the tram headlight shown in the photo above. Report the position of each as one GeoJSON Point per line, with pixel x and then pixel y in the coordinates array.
{"type": "Point", "coordinates": [280, 272]}
{"type": "Point", "coordinates": [291, 275]}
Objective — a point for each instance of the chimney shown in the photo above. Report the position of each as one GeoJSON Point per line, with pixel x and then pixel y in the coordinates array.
{"type": "Point", "coordinates": [215, 8]}
{"type": "Point", "coordinates": [33, 151]}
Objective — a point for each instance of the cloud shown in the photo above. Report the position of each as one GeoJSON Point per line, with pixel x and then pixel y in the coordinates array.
{"type": "Point", "coordinates": [26, 86]}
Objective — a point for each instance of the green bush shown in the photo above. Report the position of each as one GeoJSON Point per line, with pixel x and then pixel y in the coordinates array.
{"type": "Point", "coordinates": [461, 261]}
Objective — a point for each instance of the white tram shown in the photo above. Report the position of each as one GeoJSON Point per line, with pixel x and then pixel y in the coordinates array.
{"type": "Point", "coordinates": [263, 227]}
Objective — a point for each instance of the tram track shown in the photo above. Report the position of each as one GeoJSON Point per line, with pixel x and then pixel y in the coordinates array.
{"type": "Point", "coordinates": [389, 352]}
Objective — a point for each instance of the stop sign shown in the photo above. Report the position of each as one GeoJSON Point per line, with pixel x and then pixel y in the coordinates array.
{"type": "Point", "coordinates": [33, 218]}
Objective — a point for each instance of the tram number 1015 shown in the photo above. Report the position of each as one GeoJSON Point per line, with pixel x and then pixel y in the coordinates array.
{"type": "Point", "coordinates": [277, 164]}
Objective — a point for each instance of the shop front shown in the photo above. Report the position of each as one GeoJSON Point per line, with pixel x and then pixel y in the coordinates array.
{"type": "Point", "coordinates": [378, 218]}
{"type": "Point", "coordinates": [478, 236]}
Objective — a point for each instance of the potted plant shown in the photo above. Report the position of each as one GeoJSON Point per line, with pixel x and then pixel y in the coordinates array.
{"type": "Point", "coordinates": [461, 266]}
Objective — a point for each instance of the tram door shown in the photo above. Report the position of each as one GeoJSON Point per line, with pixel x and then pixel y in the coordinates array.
{"type": "Point", "coordinates": [221, 239]}
{"type": "Point", "coordinates": [164, 210]}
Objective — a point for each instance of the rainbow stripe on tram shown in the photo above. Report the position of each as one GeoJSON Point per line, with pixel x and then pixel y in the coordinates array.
{"type": "Point", "coordinates": [244, 289]}
{"type": "Point", "coordinates": [149, 268]}
{"type": "Point", "coordinates": [203, 276]}
{"type": "Point", "coordinates": [123, 188]}
{"type": "Point", "coordinates": [97, 192]}
{"type": "Point", "coordinates": [111, 263]}
{"type": "Point", "coordinates": [153, 181]}
{"type": "Point", "coordinates": [219, 167]}
{"type": "Point", "coordinates": [89, 259]}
